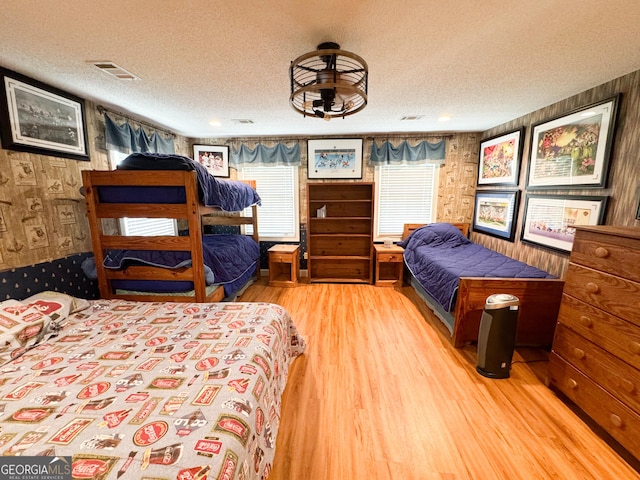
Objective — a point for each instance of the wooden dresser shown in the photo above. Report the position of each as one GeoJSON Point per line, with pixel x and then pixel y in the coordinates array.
{"type": "Point", "coordinates": [595, 359]}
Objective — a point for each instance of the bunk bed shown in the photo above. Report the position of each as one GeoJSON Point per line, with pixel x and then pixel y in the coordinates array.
{"type": "Point", "coordinates": [454, 277]}
{"type": "Point", "coordinates": [134, 390]}
{"type": "Point", "coordinates": [188, 267]}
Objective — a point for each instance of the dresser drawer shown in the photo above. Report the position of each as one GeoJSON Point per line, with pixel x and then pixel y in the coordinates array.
{"type": "Point", "coordinates": [617, 377]}
{"type": "Point", "coordinates": [622, 423]}
{"type": "Point", "coordinates": [607, 292]}
{"type": "Point", "coordinates": [613, 334]}
{"type": "Point", "coordinates": [609, 253]}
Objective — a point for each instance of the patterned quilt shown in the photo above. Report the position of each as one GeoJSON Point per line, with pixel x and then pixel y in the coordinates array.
{"type": "Point", "coordinates": [147, 390]}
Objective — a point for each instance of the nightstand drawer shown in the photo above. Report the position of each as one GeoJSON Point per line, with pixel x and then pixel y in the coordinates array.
{"type": "Point", "coordinates": [389, 257]}
{"type": "Point", "coordinates": [276, 257]}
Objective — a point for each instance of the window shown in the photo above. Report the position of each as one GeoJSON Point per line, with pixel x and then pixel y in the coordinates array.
{"type": "Point", "coordinates": [404, 194]}
{"type": "Point", "coordinates": [148, 227]}
{"type": "Point", "coordinates": [278, 216]}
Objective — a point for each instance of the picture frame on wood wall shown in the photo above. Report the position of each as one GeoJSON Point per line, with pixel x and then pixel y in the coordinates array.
{"type": "Point", "coordinates": [38, 118]}
{"type": "Point", "coordinates": [334, 158]}
{"type": "Point", "coordinates": [215, 158]}
{"type": "Point", "coordinates": [495, 213]}
{"type": "Point", "coordinates": [500, 158]}
{"type": "Point", "coordinates": [574, 149]}
{"type": "Point", "coordinates": [550, 220]}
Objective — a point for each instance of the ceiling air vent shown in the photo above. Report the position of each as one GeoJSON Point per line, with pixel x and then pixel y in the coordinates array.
{"type": "Point", "coordinates": [115, 70]}
{"type": "Point", "coordinates": [411, 117]}
{"type": "Point", "coordinates": [242, 121]}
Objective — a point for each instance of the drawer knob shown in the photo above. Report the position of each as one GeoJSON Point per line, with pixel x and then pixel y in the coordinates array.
{"type": "Point", "coordinates": [592, 287]}
{"type": "Point", "coordinates": [579, 353]}
{"type": "Point", "coordinates": [586, 321]}
{"type": "Point", "coordinates": [634, 347]}
{"type": "Point", "coordinates": [628, 385]}
{"type": "Point", "coordinates": [602, 252]}
{"type": "Point", "coordinates": [571, 383]}
{"type": "Point", "coordinates": [616, 420]}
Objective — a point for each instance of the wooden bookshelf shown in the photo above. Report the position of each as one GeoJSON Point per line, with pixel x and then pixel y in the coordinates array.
{"type": "Point", "coordinates": [340, 245]}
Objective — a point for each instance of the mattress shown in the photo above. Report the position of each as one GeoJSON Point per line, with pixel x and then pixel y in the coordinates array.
{"type": "Point", "coordinates": [227, 195]}
{"type": "Point", "coordinates": [227, 259]}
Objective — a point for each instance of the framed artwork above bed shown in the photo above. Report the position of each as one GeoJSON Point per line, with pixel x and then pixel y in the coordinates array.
{"type": "Point", "coordinates": [500, 158]}
{"type": "Point", "coordinates": [215, 158]}
{"type": "Point", "coordinates": [495, 213]}
{"type": "Point", "coordinates": [550, 220]}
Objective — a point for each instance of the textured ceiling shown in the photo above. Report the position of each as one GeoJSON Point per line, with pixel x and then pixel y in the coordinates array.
{"type": "Point", "coordinates": [482, 63]}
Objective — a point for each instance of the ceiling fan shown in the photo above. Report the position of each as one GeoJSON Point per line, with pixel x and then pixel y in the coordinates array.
{"type": "Point", "coordinates": [328, 82]}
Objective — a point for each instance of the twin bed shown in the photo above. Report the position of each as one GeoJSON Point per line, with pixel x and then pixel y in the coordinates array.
{"type": "Point", "coordinates": [455, 276]}
{"type": "Point", "coordinates": [188, 267]}
{"type": "Point", "coordinates": [139, 391]}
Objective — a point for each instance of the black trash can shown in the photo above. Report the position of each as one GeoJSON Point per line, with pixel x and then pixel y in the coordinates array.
{"type": "Point", "coordinates": [497, 335]}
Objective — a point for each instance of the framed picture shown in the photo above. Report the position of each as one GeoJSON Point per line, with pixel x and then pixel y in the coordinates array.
{"type": "Point", "coordinates": [572, 151]}
{"type": "Point", "coordinates": [551, 220]}
{"type": "Point", "coordinates": [495, 213]}
{"type": "Point", "coordinates": [500, 158]}
{"type": "Point", "coordinates": [215, 158]}
{"type": "Point", "coordinates": [37, 118]}
{"type": "Point", "coordinates": [340, 158]}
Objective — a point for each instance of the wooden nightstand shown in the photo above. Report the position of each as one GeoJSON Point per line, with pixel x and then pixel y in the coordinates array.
{"type": "Point", "coordinates": [389, 266]}
{"type": "Point", "coordinates": [284, 265]}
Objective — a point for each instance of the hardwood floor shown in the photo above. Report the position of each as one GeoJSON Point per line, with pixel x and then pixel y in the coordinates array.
{"type": "Point", "coordinates": [380, 393]}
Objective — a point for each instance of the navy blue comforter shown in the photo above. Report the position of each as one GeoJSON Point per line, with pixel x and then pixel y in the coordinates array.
{"type": "Point", "coordinates": [226, 257]}
{"type": "Point", "coordinates": [438, 255]}
{"type": "Point", "coordinates": [228, 195]}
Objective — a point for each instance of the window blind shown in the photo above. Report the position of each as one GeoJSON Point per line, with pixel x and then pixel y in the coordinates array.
{"type": "Point", "coordinates": [278, 216]}
{"type": "Point", "coordinates": [405, 194]}
{"type": "Point", "coordinates": [148, 227]}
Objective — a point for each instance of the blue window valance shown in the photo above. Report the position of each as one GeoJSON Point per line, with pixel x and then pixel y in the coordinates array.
{"type": "Point", "coordinates": [261, 155]}
{"type": "Point", "coordinates": [124, 138]}
{"type": "Point", "coordinates": [405, 153]}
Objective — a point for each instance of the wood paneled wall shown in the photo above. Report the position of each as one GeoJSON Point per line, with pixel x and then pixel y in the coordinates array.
{"type": "Point", "coordinates": [623, 187]}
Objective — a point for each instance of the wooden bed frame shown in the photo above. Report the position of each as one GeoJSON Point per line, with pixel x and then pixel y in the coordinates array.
{"type": "Point", "coordinates": [192, 211]}
{"type": "Point", "coordinates": [539, 304]}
